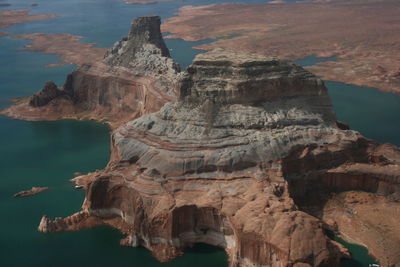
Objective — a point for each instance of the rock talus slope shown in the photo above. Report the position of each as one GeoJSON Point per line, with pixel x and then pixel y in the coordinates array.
{"type": "Point", "coordinates": [241, 161]}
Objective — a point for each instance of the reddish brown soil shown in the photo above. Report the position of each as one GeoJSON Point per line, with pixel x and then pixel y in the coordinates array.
{"type": "Point", "coordinates": [363, 35]}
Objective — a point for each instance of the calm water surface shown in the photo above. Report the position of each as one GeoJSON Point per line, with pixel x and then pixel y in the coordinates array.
{"type": "Point", "coordinates": [48, 153]}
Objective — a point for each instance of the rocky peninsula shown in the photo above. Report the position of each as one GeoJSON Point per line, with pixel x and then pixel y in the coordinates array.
{"type": "Point", "coordinates": [11, 17]}
{"type": "Point", "coordinates": [362, 35]}
{"type": "Point", "coordinates": [137, 76]}
{"type": "Point", "coordinates": [240, 151]}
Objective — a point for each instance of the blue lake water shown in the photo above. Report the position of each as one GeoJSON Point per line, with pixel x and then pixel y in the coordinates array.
{"type": "Point", "coordinates": [48, 153]}
{"type": "Point", "coordinates": [367, 110]}
{"type": "Point", "coordinates": [312, 60]}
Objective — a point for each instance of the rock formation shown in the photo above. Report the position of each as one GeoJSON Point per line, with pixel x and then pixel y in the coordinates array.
{"type": "Point", "coordinates": [237, 162]}
{"type": "Point", "coordinates": [249, 158]}
{"type": "Point", "coordinates": [143, 50]}
{"type": "Point", "coordinates": [136, 77]}
{"type": "Point", "coordinates": [31, 192]}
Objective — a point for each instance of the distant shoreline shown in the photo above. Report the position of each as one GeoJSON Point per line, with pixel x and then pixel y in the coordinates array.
{"type": "Point", "coordinates": [296, 30]}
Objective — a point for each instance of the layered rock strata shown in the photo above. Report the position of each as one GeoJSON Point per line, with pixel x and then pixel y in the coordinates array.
{"type": "Point", "coordinates": [136, 77]}
{"type": "Point", "coordinates": [234, 163]}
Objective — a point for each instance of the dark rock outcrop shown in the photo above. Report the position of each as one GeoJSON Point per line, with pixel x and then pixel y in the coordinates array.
{"type": "Point", "coordinates": [49, 92]}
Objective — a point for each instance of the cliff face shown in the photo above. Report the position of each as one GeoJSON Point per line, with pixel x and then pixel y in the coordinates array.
{"type": "Point", "coordinates": [239, 162]}
{"type": "Point", "coordinates": [136, 77]}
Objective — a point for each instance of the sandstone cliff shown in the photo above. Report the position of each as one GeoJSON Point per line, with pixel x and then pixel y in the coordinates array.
{"type": "Point", "coordinates": [244, 160]}
{"type": "Point", "coordinates": [136, 77]}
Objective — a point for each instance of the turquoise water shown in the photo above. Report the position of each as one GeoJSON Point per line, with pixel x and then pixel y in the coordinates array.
{"type": "Point", "coordinates": [22, 73]}
{"type": "Point", "coordinates": [48, 153]}
{"type": "Point", "coordinates": [356, 250]}
{"type": "Point", "coordinates": [312, 60]}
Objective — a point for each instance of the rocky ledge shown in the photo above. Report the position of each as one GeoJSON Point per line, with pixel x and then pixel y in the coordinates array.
{"type": "Point", "coordinates": [137, 76]}
{"type": "Point", "coordinates": [244, 160]}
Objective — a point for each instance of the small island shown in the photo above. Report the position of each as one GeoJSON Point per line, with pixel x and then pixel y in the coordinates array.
{"type": "Point", "coordinates": [31, 192]}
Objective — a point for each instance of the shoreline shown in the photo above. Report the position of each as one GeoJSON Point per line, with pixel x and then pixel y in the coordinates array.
{"type": "Point", "coordinates": [67, 46]}
{"type": "Point", "coordinates": [11, 17]}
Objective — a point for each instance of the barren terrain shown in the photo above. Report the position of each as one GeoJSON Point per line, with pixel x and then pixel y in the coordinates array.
{"type": "Point", "coordinates": [363, 35]}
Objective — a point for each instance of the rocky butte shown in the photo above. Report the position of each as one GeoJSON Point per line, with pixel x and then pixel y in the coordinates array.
{"type": "Point", "coordinates": [249, 158]}
{"type": "Point", "coordinates": [137, 76]}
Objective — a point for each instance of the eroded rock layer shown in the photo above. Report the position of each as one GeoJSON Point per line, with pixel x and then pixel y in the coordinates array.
{"type": "Point", "coordinates": [232, 164]}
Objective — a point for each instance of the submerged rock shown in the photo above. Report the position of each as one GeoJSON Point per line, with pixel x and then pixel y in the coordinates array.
{"type": "Point", "coordinates": [31, 192]}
